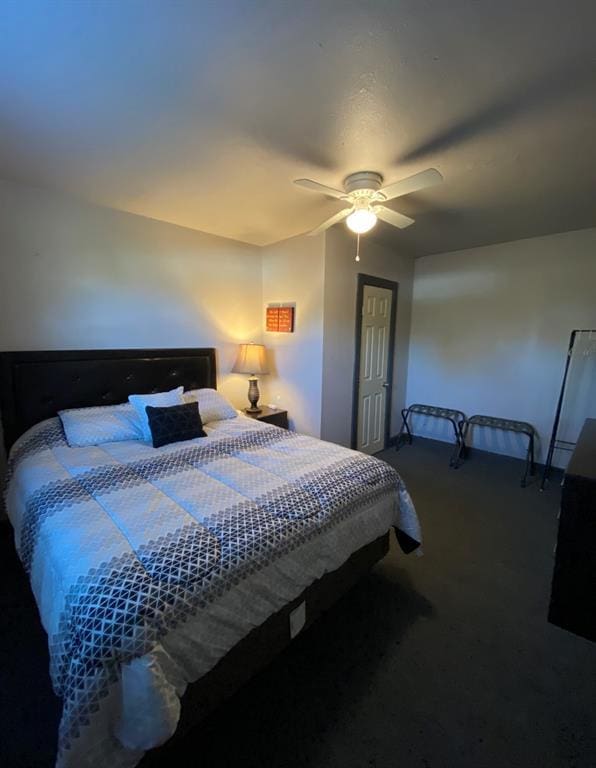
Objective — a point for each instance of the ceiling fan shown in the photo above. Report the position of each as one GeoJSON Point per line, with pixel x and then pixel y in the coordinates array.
{"type": "Point", "coordinates": [365, 198]}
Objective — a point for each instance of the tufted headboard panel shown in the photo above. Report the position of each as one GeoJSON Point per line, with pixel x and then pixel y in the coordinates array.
{"type": "Point", "coordinates": [36, 385]}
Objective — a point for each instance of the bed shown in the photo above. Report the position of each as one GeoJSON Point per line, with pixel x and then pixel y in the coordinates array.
{"type": "Point", "coordinates": [175, 573]}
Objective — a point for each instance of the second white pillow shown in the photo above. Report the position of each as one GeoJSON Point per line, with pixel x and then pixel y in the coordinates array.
{"type": "Point", "coordinates": [158, 400]}
{"type": "Point", "coordinates": [212, 405]}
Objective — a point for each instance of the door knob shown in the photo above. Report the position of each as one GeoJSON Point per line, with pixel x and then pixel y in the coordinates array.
{"type": "Point", "coordinates": [385, 384]}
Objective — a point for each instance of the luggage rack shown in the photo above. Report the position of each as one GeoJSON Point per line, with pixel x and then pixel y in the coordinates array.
{"type": "Point", "coordinates": [508, 425]}
{"type": "Point", "coordinates": [455, 418]}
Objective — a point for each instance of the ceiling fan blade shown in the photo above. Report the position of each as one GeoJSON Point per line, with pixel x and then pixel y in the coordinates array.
{"type": "Point", "coordinates": [316, 187]}
{"type": "Point", "coordinates": [413, 183]}
{"type": "Point", "coordinates": [392, 217]}
{"type": "Point", "coordinates": [330, 222]}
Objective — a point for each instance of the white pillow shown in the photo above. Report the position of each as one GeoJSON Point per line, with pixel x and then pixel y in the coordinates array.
{"type": "Point", "coordinates": [212, 405]}
{"type": "Point", "coordinates": [101, 424]}
{"type": "Point", "coordinates": [158, 400]}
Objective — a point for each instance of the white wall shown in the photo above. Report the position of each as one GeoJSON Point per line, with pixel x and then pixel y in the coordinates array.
{"type": "Point", "coordinates": [293, 271]}
{"type": "Point", "coordinates": [490, 328]}
{"type": "Point", "coordinates": [74, 275]}
{"type": "Point", "coordinates": [341, 274]}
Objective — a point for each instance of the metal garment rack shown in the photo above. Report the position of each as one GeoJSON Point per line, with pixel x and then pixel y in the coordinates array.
{"type": "Point", "coordinates": [555, 444]}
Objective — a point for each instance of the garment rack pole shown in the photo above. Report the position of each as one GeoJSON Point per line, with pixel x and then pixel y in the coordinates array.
{"type": "Point", "coordinates": [553, 438]}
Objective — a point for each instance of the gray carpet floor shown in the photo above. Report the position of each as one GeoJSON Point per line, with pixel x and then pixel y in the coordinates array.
{"type": "Point", "coordinates": [440, 661]}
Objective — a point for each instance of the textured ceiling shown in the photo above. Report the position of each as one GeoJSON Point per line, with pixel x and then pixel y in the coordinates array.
{"type": "Point", "coordinates": [202, 113]}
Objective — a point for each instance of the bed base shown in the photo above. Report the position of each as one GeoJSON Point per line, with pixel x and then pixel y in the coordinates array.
{"type": "Point", "coordinates": [264, 643]}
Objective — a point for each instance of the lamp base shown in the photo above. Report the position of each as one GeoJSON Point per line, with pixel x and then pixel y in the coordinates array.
{"type": "Point", "coordinates": [253, 395]}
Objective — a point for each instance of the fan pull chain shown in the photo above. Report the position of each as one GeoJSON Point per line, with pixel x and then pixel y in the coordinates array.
{"type": "Point", "coordinates": [358, 247]}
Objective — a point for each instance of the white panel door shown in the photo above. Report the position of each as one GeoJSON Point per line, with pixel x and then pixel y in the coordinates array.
{"type": "Point", "coordinates": [374, 361]}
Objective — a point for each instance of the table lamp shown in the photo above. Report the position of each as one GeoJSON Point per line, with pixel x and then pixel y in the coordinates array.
{"type": "Point", "coordinates": [251, 359]}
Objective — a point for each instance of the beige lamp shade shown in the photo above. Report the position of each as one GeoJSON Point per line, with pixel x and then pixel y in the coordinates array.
{"type": "Point", "coordinates": [251, 359]}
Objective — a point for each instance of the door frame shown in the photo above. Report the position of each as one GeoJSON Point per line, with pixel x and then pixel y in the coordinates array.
{"type": "Point", "coordinates": [377, 282]}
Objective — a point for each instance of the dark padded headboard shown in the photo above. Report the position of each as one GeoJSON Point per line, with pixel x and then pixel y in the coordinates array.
{"type": "Point", "coordinates": [36, 385]}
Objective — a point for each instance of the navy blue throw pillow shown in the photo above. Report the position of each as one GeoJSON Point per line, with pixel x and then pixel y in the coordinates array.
{"type": "Point", "coordinates": [174, 423]}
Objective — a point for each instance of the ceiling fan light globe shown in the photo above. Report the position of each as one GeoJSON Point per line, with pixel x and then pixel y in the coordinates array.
{"type": "Point", "coordinates": [361, 221]}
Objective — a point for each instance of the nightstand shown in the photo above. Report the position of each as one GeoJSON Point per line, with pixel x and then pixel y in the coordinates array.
{"type": "Point", "coordinates": [277, 417]}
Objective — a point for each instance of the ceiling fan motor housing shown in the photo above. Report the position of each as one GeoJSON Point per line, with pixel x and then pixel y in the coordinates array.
{"type": "Point", "coordinates": [363, 180]}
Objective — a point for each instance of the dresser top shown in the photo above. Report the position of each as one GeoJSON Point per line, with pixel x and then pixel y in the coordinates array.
{"type": "Point", "coordinates": [583, 461]}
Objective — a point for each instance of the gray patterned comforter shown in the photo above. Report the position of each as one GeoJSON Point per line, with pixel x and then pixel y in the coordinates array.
{"type": "Point", "coordinates": [148, 565]}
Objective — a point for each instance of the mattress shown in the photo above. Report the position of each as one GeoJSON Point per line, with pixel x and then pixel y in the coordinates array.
{"type": "Point", "coordinates": [148, 565]}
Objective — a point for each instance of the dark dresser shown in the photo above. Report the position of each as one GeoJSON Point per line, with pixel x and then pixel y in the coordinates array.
{"type": "Point", "coordinates": [573, 593]}
{"type": "Point", "coordinates": [275, 416]}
